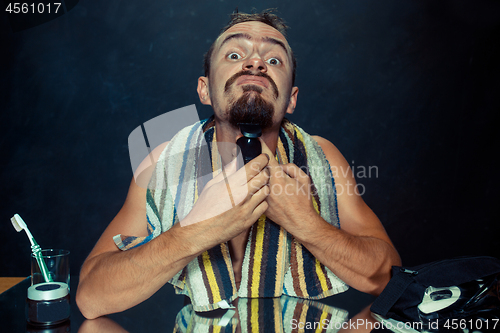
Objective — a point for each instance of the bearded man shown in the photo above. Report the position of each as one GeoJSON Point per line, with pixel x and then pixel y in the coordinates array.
{"type": "Point", "coordinates": [274, 226]}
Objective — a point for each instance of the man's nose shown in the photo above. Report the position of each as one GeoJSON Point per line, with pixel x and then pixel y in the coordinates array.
{"type": "Point", "coordinates": [255, 63]}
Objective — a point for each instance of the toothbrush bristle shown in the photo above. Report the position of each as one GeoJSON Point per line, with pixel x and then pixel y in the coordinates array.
{"type": "Point", "coordinates": [17, 222]}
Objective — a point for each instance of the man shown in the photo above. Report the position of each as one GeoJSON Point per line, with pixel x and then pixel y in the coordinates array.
{"type": "Point", "coordinates": [249, 76]}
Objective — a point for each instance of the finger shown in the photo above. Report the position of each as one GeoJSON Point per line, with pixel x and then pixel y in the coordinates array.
{"type": "Point", "coordinates": [273, 166]}
{"type": "Point", "coordinates": [251, 169]}
{"type": "Point", "coordinates": [258, 201]}
{"type": "Point", "coordinates": [295, 172]}
{"type": "Point", "coordinates": [258, 181]}
{"type": "Point", "coordinates": [259, 210]}
{"type": "Point", "coordinates": [260, 195]}
{"type": "Point", "coordinates": [266, 150]}
{"type": "Point", "coordinates": [237, 183]}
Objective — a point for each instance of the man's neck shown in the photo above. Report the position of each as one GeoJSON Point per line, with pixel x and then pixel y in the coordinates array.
{"type": "Point", "coordinates": [227, 133]}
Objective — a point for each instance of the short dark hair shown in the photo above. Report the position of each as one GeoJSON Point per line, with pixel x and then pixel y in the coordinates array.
{"type": "Point", "coordinates": [267, 17]}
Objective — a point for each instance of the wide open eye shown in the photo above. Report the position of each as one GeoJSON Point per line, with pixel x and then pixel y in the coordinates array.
{"type": "Point", "coordinates": [233, 56]}
{"type": "Point", "coordinates": [273, 61]}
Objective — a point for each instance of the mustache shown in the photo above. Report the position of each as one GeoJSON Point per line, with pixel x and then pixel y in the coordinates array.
{"type": "Point", "coordinates": [233, 78]}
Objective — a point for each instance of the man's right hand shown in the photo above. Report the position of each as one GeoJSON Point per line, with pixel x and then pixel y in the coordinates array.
{"type": "Point", "coordinates": [112, 280]}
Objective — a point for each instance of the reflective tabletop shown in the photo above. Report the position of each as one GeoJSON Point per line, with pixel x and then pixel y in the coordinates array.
{"type": "Point", "coordinates": [167, 312]}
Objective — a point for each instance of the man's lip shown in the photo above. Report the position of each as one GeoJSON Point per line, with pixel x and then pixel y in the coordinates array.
{"type": "Point", "coordinates": [251, 79]}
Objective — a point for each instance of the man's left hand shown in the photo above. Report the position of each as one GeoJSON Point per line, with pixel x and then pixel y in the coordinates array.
{"type": "Point", "coordinates": [290, 198]}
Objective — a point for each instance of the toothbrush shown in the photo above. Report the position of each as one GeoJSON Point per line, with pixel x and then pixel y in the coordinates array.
{"type": "Point", "coordinates": [19, 225]}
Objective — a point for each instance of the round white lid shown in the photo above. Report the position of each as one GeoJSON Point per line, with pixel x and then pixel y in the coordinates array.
{"type": "Point", "coordinates": [47, 291]}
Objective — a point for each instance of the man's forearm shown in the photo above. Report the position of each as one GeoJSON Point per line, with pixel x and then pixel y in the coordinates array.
{"type": "Point", "coordinates": [112, 281]}
{"type": "Point", "coordinates": [115, 281]}
{"type": "Point", "coordinates": [362, 262]}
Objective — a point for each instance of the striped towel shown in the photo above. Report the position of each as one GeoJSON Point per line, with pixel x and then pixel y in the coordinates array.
{"type": "Point", "coordinates": [274, 263]}
{"type": "Point", "coordinates": [281, 314]}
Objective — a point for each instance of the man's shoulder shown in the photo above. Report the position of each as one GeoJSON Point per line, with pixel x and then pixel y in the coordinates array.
{"type": "Point", "coordinates": [324, 143]}
{"type": "Point", "coordinates": [332, 154]}
{"type": "Point", "coordinates": [143, 173]}
{"type": "Point", "coordinates": [320, 140]}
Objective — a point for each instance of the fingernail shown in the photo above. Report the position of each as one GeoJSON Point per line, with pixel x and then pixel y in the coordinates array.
{"type": "Point", "coordinates": [268, 157]}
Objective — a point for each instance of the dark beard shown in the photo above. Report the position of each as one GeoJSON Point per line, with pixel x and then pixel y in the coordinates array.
{"type": "Point", "coordinates": [251, 108]}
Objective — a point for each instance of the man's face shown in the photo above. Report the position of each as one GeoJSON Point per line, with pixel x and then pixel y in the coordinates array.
{"type": "Point", "coordinates": [250, 76]}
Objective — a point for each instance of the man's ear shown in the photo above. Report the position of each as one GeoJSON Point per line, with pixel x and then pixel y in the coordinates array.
{"type": "Point", "coordinates": [203, 90]}
{"type": "Point", "coordinates": [293, 100]}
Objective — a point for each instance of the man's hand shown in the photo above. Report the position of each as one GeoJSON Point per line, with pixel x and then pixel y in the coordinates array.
{"type": "Point", "coordinates": [361, 254]}
{"type": "Point", "coordinates": [149, 266]}
{"type": "Point", "coordinates": [234, 199]}
{"type": "Point", "coordinates": [289, 199]}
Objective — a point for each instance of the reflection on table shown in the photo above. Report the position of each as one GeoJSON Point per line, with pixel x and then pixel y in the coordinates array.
{"type": "Point", "coordinates": [166, 312]}
{"type": "Point", "coordinates": [283, 314]}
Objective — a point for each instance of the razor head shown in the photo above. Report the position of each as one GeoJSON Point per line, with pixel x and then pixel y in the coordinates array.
{"type": "Point", "coordinates": [249, 143]}
{"type": "Point", "coordinates": [250, 130]}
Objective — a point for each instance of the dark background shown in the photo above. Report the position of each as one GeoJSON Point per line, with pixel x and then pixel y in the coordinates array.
{"type": "Point", "coordinates": [408, 87]}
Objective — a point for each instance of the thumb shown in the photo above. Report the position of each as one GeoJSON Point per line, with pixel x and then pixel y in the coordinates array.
{"type": "Point", "coordinates": [268, 152]}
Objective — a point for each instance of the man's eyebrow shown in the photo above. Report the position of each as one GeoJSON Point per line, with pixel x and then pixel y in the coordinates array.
{"type": "Point", "coordinates": [276, 42]}
{"type": "Point", "coordinates": [247, 36]}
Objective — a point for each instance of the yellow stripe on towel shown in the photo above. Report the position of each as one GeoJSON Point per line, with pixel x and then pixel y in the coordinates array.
{"type": "Point", "coordinates": [303, 316]}
{"type": "Point", "coordinates": [280, 262]}
{"type": "Point", "coordinates": [300, 268]}
{"type": "Point", "coordinates": [254, 310]}
{"type": "Point", "coordinates": [321, 276]}
{"type": "Point", "coordinates": [315, 204]}
{"type": "Point", "coordinates": [319, 270]}
{"type": "Point", "coordinates": [281, 154]}
{"type": "Point", "coordinates": [211, 277]}
{"type": "Point", "coordinates": [259, 243]}
{"type": "Point", "coordinates": [278, 325]}
{"type": "Point", "coordinates": [322, 323]}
